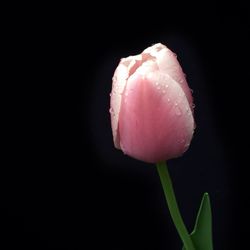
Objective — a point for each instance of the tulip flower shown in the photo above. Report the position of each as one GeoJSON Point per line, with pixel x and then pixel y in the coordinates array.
{"type": "Point", "coordinates": [152, 120]}
{"type": "Point", "coordinates": [151, 106]}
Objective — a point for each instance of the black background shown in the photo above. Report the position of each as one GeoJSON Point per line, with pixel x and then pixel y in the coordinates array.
{"type": "Point", "coordinates": [64, 185]}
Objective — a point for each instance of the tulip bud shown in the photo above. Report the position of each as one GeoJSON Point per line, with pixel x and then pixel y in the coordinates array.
{"type": "Point", "coordinates": [151, 106]}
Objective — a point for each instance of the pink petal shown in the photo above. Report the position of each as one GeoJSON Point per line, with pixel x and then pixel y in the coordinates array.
{"type": "Point", "coordinates": [155, 120]}
{"type": "Point", "coordinates": [168, 63]}
{"type": "Point", "coordinates": [126, 67]}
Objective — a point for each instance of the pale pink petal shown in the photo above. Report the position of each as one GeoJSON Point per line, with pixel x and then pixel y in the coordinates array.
{"type": "Point", "coordinates": [126, 68]}
{"type": "Point", "coordinates": [168, 63]}
{"type": "Point", "coordinates": [155, 121]}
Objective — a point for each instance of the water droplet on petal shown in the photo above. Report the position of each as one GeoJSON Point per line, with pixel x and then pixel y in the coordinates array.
{"type": "Point", "coordinates": [163, 91]}
{"type": "Point", "coordinates": [111, 110]}
{"type": "Point", "coordinates": [181, 141]}
{"type": "Point", "coordinates": [186, 146]}
{"type": "Point", "coordinates": [168, 100]}
{"type": "Point", "coordinates": [166, 86]}
{"type": "Point", "coordinates": [177, 111]}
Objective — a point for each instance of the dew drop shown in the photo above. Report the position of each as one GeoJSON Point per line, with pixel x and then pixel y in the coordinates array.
{"type": "Point", "coordinates": [168, 100]}
{"type": "Point", "coordinates": [111, 110]}
{"type": "Point", "coordinates": [187, 145]}
{"type": "Point", "coordinates": [156, 83]}
{"type": "Point", "coordinates": [163, 91]}
{"type": "Point", "coordinates": [177, 111]}
{"type": "Point", "coordinates": [181, 141]}
{"type": "Point", "coordinates": [166, 86]}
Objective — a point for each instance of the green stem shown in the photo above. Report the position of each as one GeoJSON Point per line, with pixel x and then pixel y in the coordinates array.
{"type": "Point", "coordinates": [173, 206]}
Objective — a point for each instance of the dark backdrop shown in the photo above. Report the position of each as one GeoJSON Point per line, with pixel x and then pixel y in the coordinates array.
{"type": "Point", "coordinates": [64, 185]}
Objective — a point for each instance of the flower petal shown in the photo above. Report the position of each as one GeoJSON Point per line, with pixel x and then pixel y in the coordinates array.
{"type": "Point", "coordinates": [168, 63]}
{"type": "Point", "coordinates": [155, 120]}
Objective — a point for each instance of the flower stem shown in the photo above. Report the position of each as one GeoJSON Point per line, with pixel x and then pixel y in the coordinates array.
{"type": "Point", "coordinates": [173, 206]}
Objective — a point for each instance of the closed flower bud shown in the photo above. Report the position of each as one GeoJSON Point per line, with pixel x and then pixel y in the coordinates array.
{"type": "Point", "coordinates": [151, 106]}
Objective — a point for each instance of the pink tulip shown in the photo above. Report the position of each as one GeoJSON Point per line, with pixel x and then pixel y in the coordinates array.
{"type": "Point", "coordinates": [151, 106]}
